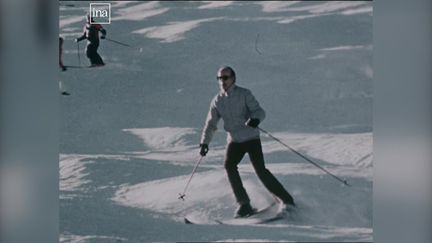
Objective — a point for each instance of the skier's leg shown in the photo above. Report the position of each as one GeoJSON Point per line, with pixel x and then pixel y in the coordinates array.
{"type": "Point", "coordinates": [233, 156]}
{"type": "Point", "coordinates": [90, 53]}
{"type": "Point", "coordinates": [256, 156]}
{"type": "Point", "coordinates": [97, 58]}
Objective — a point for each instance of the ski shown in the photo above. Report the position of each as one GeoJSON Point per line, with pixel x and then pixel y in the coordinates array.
{"type": "Point", "coordinates": [188, 221]}
{"type": "Point", "coordinates": [262, 216]}
{"type": "Point", "coordinates": [77, 66]}
{"type": "Point", "coordinates": [248, 221]}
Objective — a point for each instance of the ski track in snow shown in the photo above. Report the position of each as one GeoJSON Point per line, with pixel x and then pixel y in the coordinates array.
{"type": "Point", "coordinates": [137, 11]}
{"type": "Point", "coordinates": [345, 154]}
{"type": "Point", "coordinates": [319, 7]}
{"type": "Point", "coordinates": [69, 238]}
{"type": "Point", "coordinates": [215, 4]}
{"type": "Point", "coordinates": [162, 138]}
{"type": "Point", "coordinates": [74, 175]}
{"type": "Point", "coordinates": [209, 195]}
{"type": "Point", "coordinates": [173, 31]}
{"type": "Point", "coordinates": [172, 144]}
{"type": "Point", "coordinates": [64, 22]}
{"type": "Point", "coordinates": [205, 202]}
{"type": "Point", "coordinates": [276, 6]}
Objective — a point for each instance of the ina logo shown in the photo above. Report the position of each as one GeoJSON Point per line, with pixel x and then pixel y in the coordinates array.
{"type": "Point", "coordinates": [100, 13]}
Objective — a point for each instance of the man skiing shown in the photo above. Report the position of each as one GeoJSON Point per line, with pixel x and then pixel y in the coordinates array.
{"type": "Point", "coordinates": [91, 33]}
{"type": "Point", "coordinates": [241, 114]}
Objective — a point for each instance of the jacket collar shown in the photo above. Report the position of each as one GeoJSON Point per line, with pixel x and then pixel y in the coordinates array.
{"type": "Point", "coordinates": [229, 91]}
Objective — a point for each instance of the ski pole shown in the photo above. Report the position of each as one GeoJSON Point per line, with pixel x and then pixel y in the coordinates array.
{"type": "Point", "coordinates": [79, 56]}
{"type": "Point", "coordinates": [118, 42]}
{"type": "Point", "coordinates": [304, 157]}
{"type": "Point", "coordinates": [182, 195]}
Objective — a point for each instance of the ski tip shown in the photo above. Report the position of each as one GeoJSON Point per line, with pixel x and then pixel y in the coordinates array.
{"type": "Point", "coordinates": [219, 221]}
{"type": "Point", "coordinates": [187, 221]}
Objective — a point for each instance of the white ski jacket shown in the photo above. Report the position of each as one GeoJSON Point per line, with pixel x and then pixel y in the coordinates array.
{"type": "Point", "coordinates": [235, 107]}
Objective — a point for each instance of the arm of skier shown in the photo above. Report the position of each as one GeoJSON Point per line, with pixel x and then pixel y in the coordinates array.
{"type": "Point", "coordinates": [82, 37]}
{"type": "Point", "coordinates": [103, 31]}
{"type": "Point", "coordinates": [257, 114]}
{"type": "Point", "coordinates": [210, 126]}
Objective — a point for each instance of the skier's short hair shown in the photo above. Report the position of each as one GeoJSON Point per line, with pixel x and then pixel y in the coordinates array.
{"type": "Point", "coordinates": [230, 69]}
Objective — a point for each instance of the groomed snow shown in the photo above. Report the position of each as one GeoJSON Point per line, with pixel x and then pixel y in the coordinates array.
{"type": "Point", "coordinates": [130, 130]}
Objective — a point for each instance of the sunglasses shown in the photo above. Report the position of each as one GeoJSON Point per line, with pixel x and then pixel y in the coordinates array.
{"type": "Point", "coordinates": [223, 78]}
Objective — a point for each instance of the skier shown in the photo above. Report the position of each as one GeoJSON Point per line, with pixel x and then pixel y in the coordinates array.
{"type": "Point", "coordinates": [91, 33]}
{"type": "Point", "coordinates": [63, 67]}
{"type": "Point", "coordinates": [241, 114]}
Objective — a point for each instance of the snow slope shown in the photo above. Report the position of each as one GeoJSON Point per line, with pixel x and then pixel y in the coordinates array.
{"type": "Point", "coordinates": [130, 130]}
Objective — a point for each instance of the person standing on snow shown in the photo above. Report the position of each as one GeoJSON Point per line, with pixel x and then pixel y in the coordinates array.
{"type": "Point", "coordinates": [91, 33]}
{"type": "Point", "coordinates": [241, 114]}
{"type": "Point", "coordinates": [63, 67]}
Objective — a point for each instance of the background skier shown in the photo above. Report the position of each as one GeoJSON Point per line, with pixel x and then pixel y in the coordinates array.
{"type": "Point", "coordinates": [91, 33]}
{"type": "Point", "coordinates": [63, 67]}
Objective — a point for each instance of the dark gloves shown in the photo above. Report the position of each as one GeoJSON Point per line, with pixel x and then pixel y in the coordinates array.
{"type": "Point", "coordinates": [252, 122]}
{"type": "Point", "coordinates": [204, 149]}
{"type": "Point", "coordinates": [102, 37]}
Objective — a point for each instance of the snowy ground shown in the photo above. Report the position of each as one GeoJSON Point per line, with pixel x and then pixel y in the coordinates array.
{"type": "Point", "coordinates": [130, 129]}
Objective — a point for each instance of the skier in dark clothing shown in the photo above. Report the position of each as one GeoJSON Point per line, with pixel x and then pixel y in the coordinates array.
{"type": "Point", "coordinates": [241, 114]}
{"type": "Point", "coordinates": [91, 33]}
{"type": "Point", "coordinates": [63, 67]}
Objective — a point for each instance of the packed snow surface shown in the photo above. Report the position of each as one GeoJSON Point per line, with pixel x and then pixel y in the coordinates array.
{"type": "Point", "coordinates": [130, 130]}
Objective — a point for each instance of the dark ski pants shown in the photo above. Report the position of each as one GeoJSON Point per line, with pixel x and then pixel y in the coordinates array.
{"type": "Point", "coordinates": [92, 54]}
{"type": "Point", "coordinates": [234, 154]}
